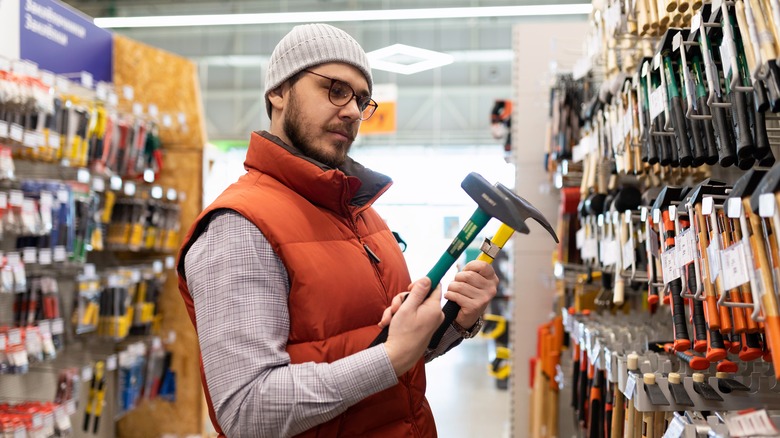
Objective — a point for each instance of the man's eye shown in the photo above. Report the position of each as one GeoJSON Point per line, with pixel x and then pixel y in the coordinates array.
{"type": "Point", "coordinates": [341, 89]}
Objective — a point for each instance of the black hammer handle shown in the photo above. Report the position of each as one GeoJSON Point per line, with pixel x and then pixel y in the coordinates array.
{"type": "Point", "coordinates": [684, 155]}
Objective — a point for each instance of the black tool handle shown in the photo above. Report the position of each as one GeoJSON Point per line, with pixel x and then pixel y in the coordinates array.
{"type": "Point", "coordinates": [741, 125]}
{"type": "Point", "coordinates": [762, 138]}
{"type": "Point", "coordinates": [716, 340]}
{"type": "Point", "coordinates": [760, 99]}
{"type": "Point", "coordinates": [695, 128]}
{"type": "Point", "coordinates": [450, 310]}
{"type": "Point", "coordinates": [724, 135]}
{"type": "Point", "coordinates": [670, 144]}
{"type": "Point", "coordinates": [678, 316]}
{"type": "Point", "coordinates": [662, 145]}
{"type": "Point", "coordinates": [697, 313]}
{"type": "Point", "coordinates": [710, 141]}
{"type": "Point", "coordinates": [684, 154]}
{"type": "Point", "coordinates": [772, 83]}
{"type": "Point", "coordinates": [651, 145]}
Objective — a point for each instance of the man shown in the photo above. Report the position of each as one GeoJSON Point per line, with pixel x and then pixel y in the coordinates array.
{"type": "Point", "coordinates": [290, 274]}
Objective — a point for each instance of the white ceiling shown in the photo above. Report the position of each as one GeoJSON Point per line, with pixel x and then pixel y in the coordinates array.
{"type": "Point", "coordinates": [445, 106]}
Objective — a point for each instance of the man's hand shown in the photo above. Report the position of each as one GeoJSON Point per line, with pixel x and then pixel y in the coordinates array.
{"type": "Point", "coordinates": [414, 319]}
{"type": "Point", "coordinates": [472, 289]}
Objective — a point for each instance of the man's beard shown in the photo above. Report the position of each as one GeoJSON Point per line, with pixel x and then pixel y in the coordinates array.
{"type": "Point", "coordinates": [293, 128]}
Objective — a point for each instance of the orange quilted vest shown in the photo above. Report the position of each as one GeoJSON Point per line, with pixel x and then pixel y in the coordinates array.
{"type": "Point", "coordinates": [319, 223]}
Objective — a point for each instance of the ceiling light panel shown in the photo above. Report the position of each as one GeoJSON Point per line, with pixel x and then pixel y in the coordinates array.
{"type": "Point", "coordinates": [381, 59]}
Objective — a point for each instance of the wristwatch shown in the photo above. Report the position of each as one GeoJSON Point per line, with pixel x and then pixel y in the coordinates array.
{"type": "Point", "coordinates": [470, 332]}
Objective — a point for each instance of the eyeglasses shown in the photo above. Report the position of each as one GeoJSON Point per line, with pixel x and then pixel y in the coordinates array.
{"type": "Point", "coordinates": [341, 93]}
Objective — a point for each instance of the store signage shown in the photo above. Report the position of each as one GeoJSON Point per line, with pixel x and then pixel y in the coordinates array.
{"type": "Point", "coordinates": [64, 41]}
{"type": "Point", "coordinates": [384, 119]}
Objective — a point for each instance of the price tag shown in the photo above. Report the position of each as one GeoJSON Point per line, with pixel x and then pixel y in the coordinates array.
{"type": "Point", "coordinates": [735, 271]}
{"type": "Point", "coordinates": [656, 103]}
{"type": "Point", "coordinates": [628, 391]}
{"type": "Point", "coordinates": [578, 153]}
{"type": "Point", "coordinates": [610, 251]}
{"type": "Point", "coordinates": [595, 352]}
{"type": "Point", "coordinates": [101, 92]}
{"type": "Point", "coordinates": [128, 92]}
{"type": "Point", "coordinates": [591, 249]}
{"type": "Point", "coordinates": [86, 373]}
{"type": "Point", "coordinates": [753, 423]}
{"type": "Point", "coordinates": [60, 254]}
{"type": "Point", "coordinates": [99, 185]}
{"type": "Point", "coordinates": [30, 255]}
{"type": "Point", "coordinates": [726, 55]}
{"type": "Point", "coordinates": [3, 129]}
{"type": "Point", "coordinates": [14, 337]}
{"type": "Point", "coordinates": [15, 198]}
{"type": "Point", "coordinates": [70, 407]}
{"type": "Point", "coordinates": [580, 238]}
{"type": "Point", "coordinates": [713, 255]}
{"type": "Point", "coordinates": [170, 262]}
{"type": "Point", "coordinates": [3, 341]}
{"type": "Point", "coordinates": [685, 245]}
{"type": "Point", "coordinates": [83, 176]}
{"type": "Point", "coordinates": [671, 271]}
{"type": "Point", "coordinates": [3, 200]}
{"type": "Point", "coordinates": [167, 121]}
{"type": "Point", "coordinates": [766, 205]}
{"type": "Point", "coordinates": [54, 140]}
{"type": "Point", "coordinates": [16, 132]}
{"type": "Point", "coordinates": [129, 189]}
{"type": "Point", "coordinates": [12, 259]}
{"type": "Point", "coordinates": [57, 326]}
{"type": "Point", "coordinates": [138, 109]}
{"type": "Point", "coordinates": [111, 363]}
{"type": "Point", "coordinates": [153, 111]}
{"type": "Point", "coordinates": [45, 327]}
{"type": "Point", "coordinates": [628, 253]}
{"type": "Point", "coordinates": [113, 99]}
{"type": "Point", "coordinates": [86, 79]}
{"type": "Point", "coordinates": [696, 22]}
{"type": "Point", "coordinates": [44, 256]}
{"type": "Point", "coordinates": [116, 183]}
{"type": "Point", "coordinates": [707, 205]}
{"type": "Point", "coordinates": [172, 194]}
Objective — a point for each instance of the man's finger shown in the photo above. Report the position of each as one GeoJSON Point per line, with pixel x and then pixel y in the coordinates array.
{"type": "Point", "coordinates": [419, 290]}
{"type": "Point", "coordinates": [480, 267]}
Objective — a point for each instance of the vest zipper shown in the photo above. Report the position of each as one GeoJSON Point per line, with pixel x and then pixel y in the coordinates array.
{"type": "Point", "coordinates": [371, 254]}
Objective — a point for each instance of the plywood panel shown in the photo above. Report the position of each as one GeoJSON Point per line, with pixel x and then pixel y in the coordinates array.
{"type": "Point", "coordinates": [170, 82]}
{"type": "Point", "coordinates": [166, 80]}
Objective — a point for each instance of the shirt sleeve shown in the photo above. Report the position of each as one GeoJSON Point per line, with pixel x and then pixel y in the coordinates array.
{"type": "Point", "coordinates": [240, 288]}
{"type": "Point", "coordinates": [449, 340]}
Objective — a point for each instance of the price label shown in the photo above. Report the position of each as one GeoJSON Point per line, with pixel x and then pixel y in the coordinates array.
{"type": "Point", "coordinates": [116, 183]}
{"type": "Point", "coordinates": [3, 129]}
{"type": "Point", "coordinates": [167, 120]}
{"type": "Point", "coordinates": [590, 249]}
{"type": "Point", "coordinates": [57, 326]}
{"type": "Point", "coordinates": [735, 271]}
{"type": "Point", "coordinates": [610, 251]}
{"type": "Point", "coordinates": [86, 373]}
{"type": "Point", "coordinates": [628, 391]}
{"type": "Point", "coordinates": [580, 238]}
{"type": "Point", "coordinates": [44, 256]}
{"type": "Point", "coordinates": [54, 140]}
{"type": "Point", "coordinates": [153, 111]}
{"type": "Point", "coordinates": [628, 253]}
{"type": "Point", "coordinates": [30, 255]}
{"type": "Point", "coordinates": [671, 271]}
{"type": "Point", "coordinates": [138, 109]}
{"type": "Point", "coordinates": [111, 363]}
{"type": "Point", "coordinates": [83, 176]}
{"type": "Point", "coordinates": [734, 208]}
{"type": "Point", "coordinates": [99, 185]}
{"type": "Point", "coordinates": [60, 254]}
{"type": "Point", "coordinates": [70, 407]}
{"type": "Point", "coordinates": [686, 251]}
{"type": "Point", "coordinates": [129, 189]}
{"type": "Point", "coordinates": [14, 337]}
{"type": "Point", "coordinates": [657, 98]}
{"type": "Point", "coordinates": [86, 79]}
{"type": "Point", "coordinates": [695, 22]}
{"type": "Point", "coordinates": [726, 55]}
{"type": "Point", "coordinates": [714, 258]}
{"type": "Point", "coordinates": [578, 153]}
{"type": "Point", "coordinates": [752, 423]}
{"type": "Point", "coordinates": [766, 205]}
{"type": "Point", "coordinates": [2, 342]}
{"type": "Point", "coordinates": [170, 262]}
{"type": "Point", "coordinates": [16, 132]}
{"type": "Point", "coordinates": [128, 92]}
{"type": "Point", "coordinates": [15, 198]}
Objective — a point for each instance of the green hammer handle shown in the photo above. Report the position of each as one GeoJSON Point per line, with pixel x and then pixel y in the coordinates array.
{"type": "Point", "coordinates": [466, 235]}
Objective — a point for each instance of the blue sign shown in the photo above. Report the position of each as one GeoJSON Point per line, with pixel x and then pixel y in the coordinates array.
{"type": "Point", "coordinates": [64, 41]}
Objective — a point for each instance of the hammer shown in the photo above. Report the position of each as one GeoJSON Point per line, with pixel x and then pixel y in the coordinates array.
{"type": "Point", "coordinates": [492, 202]}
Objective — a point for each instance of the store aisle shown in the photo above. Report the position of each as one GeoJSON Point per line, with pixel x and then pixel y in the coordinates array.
{"type": "Point", "coordinates": [464, 398]}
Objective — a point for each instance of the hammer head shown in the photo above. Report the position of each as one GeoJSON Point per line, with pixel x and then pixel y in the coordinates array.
{"type": "Point", "coordinates": [501, 203]}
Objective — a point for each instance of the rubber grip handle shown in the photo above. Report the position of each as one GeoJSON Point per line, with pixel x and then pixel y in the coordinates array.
{"type": "Point", "coordinates": [762, 137]}
{"type": "Point", "coordinates": [736, 343]}
{"type": "Point", "coordinates": [670, 143]}
{"type": "Point", "coordinates": [741, 124]}
{"type": "Point", "coordinates": [682, 341]}
{"type": "Point", "coordinates": [724, 135]}
{"type": "Point", "coordinates": [760, 99]}
{"type": "Point", "coordinates": [595, 414]}
{"type": "Point", "coordinates": [772, 83]}
{"type": "Point", "coordinates": [695, 128]}
{"type": "Point", "coordinates": [716, 349]}
{"type": "Point", "coordinates": [696, 363]}
{"type": "Point", "coordinates": [684, 154]}
{"type": "Point", "coordinates": [710, 141]}
{"type": "Point", "coordinates": [751, 347]}
{"type": "Point", "coordinates": [664, 153]}
{"type": "Point", "coordinates": [450, 310]}
{"type": "Point", "coordinates": [650, 144]}
{"type": "Point", "coordinates": [699, 326]}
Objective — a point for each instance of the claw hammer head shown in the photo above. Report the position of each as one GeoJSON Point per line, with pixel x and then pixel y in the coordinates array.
{"type": "Point", "coordinates": [501, 203]}
{"type": "Point", "coordinates": [527, 210]}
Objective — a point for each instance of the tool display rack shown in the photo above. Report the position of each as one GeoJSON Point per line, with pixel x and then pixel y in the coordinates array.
{"type": "Point", "coordinates": [139, 239]}
{"type": "Point", "coordinates": [662, 142]}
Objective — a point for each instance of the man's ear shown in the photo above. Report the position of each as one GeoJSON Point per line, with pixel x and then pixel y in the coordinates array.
{"type": "Point", "coordinates": [276, 97]}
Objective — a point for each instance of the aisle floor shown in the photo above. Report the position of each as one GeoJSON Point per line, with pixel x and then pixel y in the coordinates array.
{"type": "Point", "coordinates": [464, 398]}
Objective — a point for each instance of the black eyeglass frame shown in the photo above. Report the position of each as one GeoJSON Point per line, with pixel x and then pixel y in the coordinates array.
{"type": "Point", "coordinates": [367, 100]}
